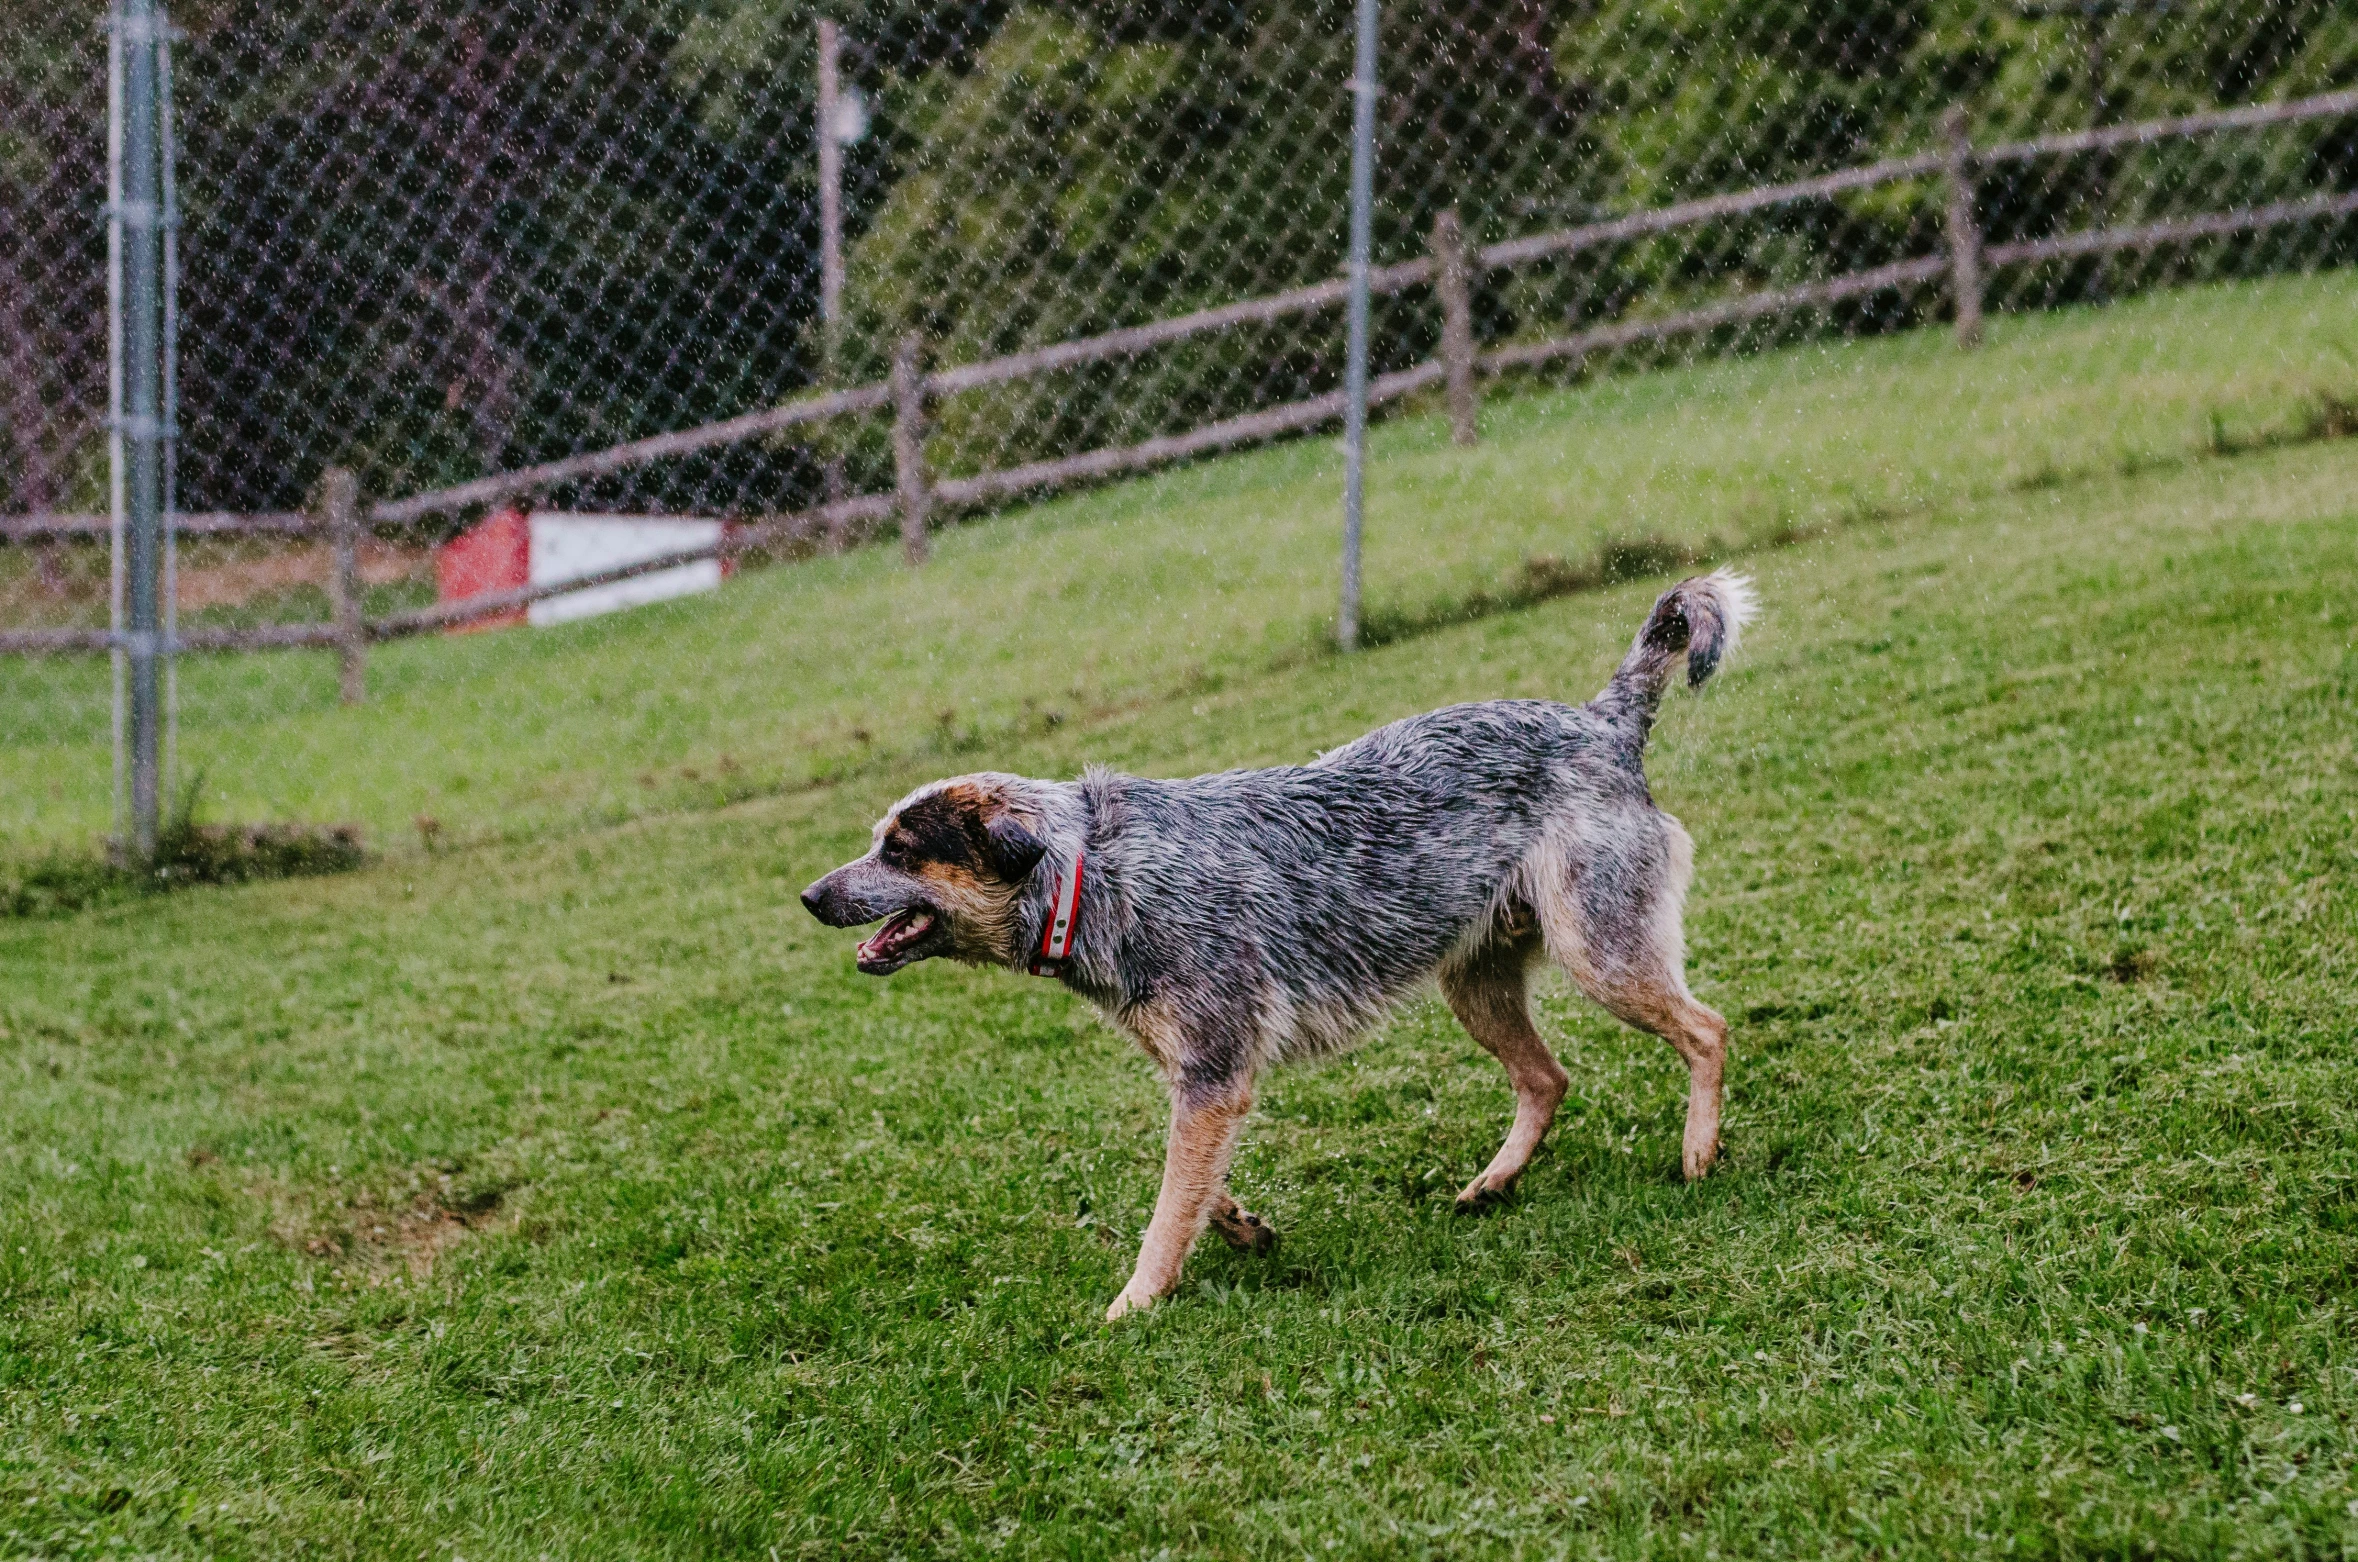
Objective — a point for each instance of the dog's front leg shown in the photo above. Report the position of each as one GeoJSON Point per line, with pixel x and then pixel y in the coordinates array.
{"type": "Point", "coordinates": [1204, 1131]}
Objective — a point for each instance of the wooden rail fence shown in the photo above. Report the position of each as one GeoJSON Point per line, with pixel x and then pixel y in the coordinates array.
{"type": "Point", "coordinates": [1450, 269]}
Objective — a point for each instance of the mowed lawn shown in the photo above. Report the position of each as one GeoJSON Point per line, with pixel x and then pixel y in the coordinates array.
{"type": "Point", "coordinates": [1180, 583]}
{"type": "Point", "coordinates": [571, 1196]}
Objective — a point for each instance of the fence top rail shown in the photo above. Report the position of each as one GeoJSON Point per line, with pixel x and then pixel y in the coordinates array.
{"type": "Point", "coordinates": [1891, 170]}
{"type": "Point", "coordinates": [1702, 209]}
{"type": "Point", "coordinates": [2326, 105]}
{"type": "Point", "coordinates": [637, 452]}
{"type": "Point", "coordinates": [258, 637]}
{"type": "Point", "coordinates": [1128, 341]}
{"type": "Point", "coordinates": [188, 523]}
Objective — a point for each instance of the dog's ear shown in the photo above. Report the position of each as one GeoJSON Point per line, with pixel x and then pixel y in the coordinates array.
{"type": "Point", "coordinates": [1009, 849]}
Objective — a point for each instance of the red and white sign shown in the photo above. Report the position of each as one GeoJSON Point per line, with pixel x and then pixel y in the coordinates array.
{"type": "Point", "coordinates": [512, 550]}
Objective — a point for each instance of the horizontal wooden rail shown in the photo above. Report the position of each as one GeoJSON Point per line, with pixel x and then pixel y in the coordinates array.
{"type": "Point", "coordinates": [54, 642]}
{"type": "Point", "coordinates": [1687, 213]}
{"type": "Point", "coordinates": [638, 452]}
{"type": "Point", "coordinates": [2102, 241]}
{"type": "Point", "coordinates": [738, 540]}
{"type": "Point", "coordinates": [1752, 306]}
{"type": "Point", "coordinates": [396, 626]}
{"type": "Point", "coordinates": [2252, 116]}
{"type": "Point", "coordinates": [1248, 429]}
{"type": "Point", "coordinates": [1132, 340]}
{"type": "Point", "coordinates": [259, 637]}
{"type": "Point", "coordinates": [490, 604]}
{"type": "Point", "coordinates": [807, 526]}
{"type": "Point", "coordinates": [1891, 170]}
{"type": "Point", "coordinates": [188, 523]}
{"type": "Point", "coordinates": [1749, 306]}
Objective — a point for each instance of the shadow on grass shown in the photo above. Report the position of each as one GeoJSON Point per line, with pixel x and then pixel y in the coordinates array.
{"type": "Point", "coordinates": [187, 852]}
{"type": "Point", "coordinates": [1543, 577]}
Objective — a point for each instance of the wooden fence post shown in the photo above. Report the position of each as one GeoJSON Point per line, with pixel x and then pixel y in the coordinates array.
{"type": "Point", "coordinates": [908, 445]}
{"type": "Point", "coordinates": [339, 495]}
{"type": "Point", "coordinates": [1964, 229]}
{"type": "Point", "coordinates": [1453, 280]}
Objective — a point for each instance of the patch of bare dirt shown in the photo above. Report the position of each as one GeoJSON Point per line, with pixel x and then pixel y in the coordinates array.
{"type": "Point", "coordinates": [370, 1241]}
{"type": "Point", "coordinates": [407, 1241]}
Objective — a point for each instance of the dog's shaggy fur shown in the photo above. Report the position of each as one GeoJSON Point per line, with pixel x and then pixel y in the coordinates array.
{"type": "Point", "coordinates": [1237, 920]}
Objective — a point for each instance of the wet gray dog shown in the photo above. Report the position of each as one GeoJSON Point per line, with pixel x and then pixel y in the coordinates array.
{"type": "Point", "coordinates": [1237, 920]}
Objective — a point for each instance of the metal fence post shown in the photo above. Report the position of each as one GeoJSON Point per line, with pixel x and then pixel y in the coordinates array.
{"type": "Point", "coordinates": [1964, 230]}
{"type": "Point", "coordinates": [1453, 280]}
{"type": "Point", "coordinates": [339, 498]}
{"type": "Point", "coordinates": [831, 243]}
{"type": "Point", "coordinates": [908, 445]}
{"type": "Point", "coordinates": [137, 221]}
{"type": "Point", "coordinates": [1363, 96]}
{"type": "Point", "coordinates": [830, 197]}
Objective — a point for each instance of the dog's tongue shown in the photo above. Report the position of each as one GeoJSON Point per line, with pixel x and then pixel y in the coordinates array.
{"type": "Point", "coordinates": [896, 927]}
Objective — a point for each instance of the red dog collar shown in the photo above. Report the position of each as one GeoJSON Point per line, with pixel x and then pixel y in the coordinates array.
{"type": "Point", "coordinates": [1056, 939]}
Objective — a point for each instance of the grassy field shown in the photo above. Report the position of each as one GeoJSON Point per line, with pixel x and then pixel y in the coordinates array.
{"type": "Point", "coordinates": [570, 1195]}
{"type": "Point", "coordinates": [1176, 586]}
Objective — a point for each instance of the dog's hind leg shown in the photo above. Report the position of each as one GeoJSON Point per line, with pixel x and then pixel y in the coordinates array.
{"type": "Point", "coordinates": [1627, 952]}
{"type": "Point", "coordinates": [1660, 1003]}
{"type": "Point", "coordinates": [1490, 997]}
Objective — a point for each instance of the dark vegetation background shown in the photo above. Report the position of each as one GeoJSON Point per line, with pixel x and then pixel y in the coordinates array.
{"type": "Point", "coordinates": [435, 240]}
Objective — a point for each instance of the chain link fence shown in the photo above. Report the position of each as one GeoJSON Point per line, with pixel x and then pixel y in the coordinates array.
{"type": "Point", "coordinates": [570, 261]}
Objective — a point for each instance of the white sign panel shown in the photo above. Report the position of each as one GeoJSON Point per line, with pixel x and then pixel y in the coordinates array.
{"type": "Point", "coordinates": [567, 547]}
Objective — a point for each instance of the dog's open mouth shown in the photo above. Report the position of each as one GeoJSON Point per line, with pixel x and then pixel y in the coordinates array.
{"type": "Point", "coordinates": [890, 946]}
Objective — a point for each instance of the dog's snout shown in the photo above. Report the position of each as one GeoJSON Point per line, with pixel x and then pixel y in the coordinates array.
{"type": "Point", "coordinates": [836, 899]}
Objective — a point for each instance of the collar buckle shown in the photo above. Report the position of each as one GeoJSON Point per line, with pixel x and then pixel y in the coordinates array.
{"type": "Point", "coordinates": [1064, 916]}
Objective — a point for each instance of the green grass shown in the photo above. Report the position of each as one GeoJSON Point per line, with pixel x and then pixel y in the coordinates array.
{"type": "Point", "coordinates": [1183, 583]}
{"type": "Point", "coordinates": [569, 1195]}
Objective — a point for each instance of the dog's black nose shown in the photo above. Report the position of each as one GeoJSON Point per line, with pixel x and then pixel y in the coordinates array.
{"type": "Point", "coordinates": [812, 899]}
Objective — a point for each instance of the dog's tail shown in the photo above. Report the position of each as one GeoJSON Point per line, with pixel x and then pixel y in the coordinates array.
{"type": "Point", "coordinates": [1701, 617]}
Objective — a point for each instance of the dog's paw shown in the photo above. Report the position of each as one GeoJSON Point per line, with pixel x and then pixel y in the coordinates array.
{"type": "Point", "coordinates": [1126, 1304]}
{"type": "Point", "coordinates": [1485, 1192]}
{"type": "Point", "coordinates": [1245, 1231]}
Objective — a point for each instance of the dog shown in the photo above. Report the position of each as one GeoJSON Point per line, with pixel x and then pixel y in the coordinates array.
{"type": "Point", "coordinates": [1233, 921]}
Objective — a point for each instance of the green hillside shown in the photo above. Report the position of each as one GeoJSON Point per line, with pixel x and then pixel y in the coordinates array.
{"type": "Point", "coordinates": [1183, 582]}
{"type": "Point", "coordinates": [573, 1197]}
